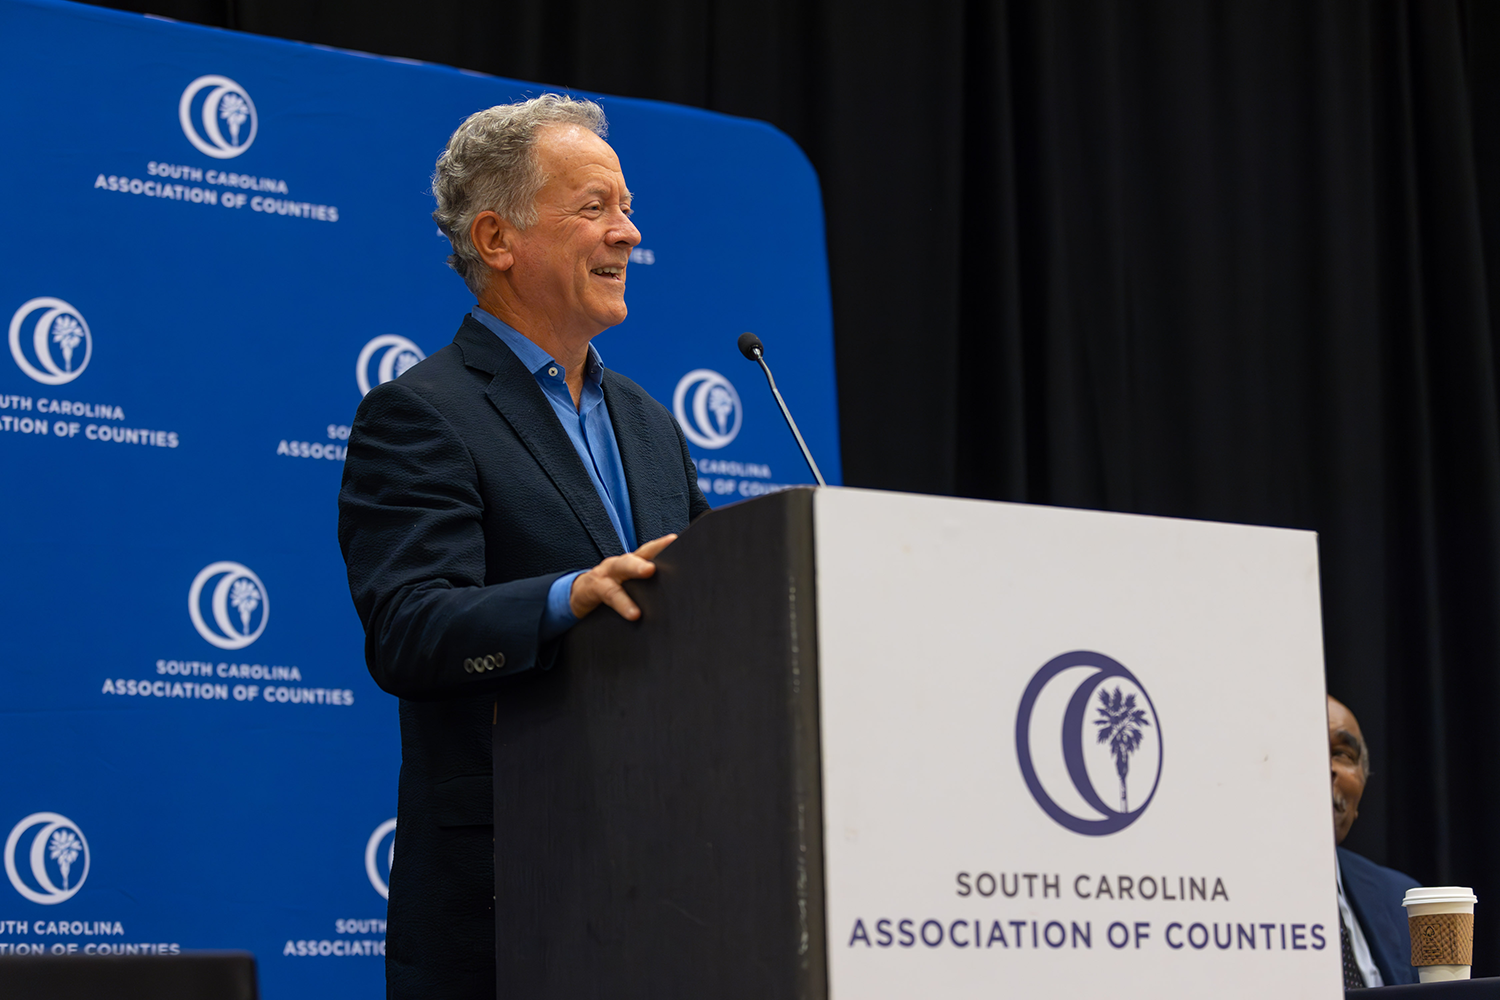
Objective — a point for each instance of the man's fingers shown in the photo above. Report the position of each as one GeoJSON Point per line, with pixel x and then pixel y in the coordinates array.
{"type": "Point", "coordinates": [652, 548]}
{"type": "Point", "coordinates": [614, 595]}
{"type": "Point", "coordinates": [601, 585]}
{"type": "Point", "coordinates": [629, 567]}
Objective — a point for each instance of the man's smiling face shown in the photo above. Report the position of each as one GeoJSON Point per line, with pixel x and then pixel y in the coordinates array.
{"type": "Point", "coordinates": [570, 264]}
{"type": "Point", "coordinates": [1348, 767]}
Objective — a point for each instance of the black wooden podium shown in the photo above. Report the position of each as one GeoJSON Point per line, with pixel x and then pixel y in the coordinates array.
{"type": "Point", "coordinates": [658, 820]}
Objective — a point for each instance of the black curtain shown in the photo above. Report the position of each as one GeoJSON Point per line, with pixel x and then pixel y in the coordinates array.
{"type": "Point", "coordinates": [1228, 260]}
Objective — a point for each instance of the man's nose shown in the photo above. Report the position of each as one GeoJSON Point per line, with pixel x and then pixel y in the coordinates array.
{"type": "Point", "coordinates": [625, 233]}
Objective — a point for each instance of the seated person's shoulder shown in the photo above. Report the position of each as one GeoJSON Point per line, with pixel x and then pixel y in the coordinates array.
{"type": "Point", "coordinates": [1360, 867]}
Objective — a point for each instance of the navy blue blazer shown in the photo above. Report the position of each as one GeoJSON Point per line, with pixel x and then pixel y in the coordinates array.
{"type": "Point", "coordinates": [1375, 895]}
{"type": "Point", "coordinates": [462, 501]}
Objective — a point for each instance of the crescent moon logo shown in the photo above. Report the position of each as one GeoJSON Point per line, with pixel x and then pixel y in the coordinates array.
{"type": "Point", "coordinates": [1089, 743]}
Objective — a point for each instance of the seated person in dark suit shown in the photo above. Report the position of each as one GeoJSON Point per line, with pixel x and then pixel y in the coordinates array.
{"type": "Point", "coordinates": [1375, 940]}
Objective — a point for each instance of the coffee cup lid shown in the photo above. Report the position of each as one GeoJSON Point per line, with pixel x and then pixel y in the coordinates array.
{"type": "Point", "coordinates": [1440, 894]}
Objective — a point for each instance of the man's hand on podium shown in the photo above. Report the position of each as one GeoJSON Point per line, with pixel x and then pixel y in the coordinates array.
{"type": "Point", "coordinates": [601, 585]}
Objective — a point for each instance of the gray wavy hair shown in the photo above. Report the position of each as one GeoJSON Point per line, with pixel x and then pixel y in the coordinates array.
{"type": "Point", "coordinates": [490, 165]}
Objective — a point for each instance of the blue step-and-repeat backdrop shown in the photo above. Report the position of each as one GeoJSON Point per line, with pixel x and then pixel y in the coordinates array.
{"type": "Point", "coordinates": [212, 245]}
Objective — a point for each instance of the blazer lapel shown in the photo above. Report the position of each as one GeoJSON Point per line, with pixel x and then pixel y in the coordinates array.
{"type": "Point", "coordinates": [522, 404]}
{"type": "Point", "coordinates": [642, 465]}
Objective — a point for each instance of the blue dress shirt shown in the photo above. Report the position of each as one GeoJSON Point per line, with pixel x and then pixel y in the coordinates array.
{"type": "Point", "coordinates": [593, 435]}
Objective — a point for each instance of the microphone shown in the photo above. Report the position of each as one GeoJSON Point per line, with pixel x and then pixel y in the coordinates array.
{"type": "Point", "coordinates": [752, 348]}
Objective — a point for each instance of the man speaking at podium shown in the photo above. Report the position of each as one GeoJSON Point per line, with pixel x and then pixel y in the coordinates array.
{"type": "Point", "coordinates": [480, 487]}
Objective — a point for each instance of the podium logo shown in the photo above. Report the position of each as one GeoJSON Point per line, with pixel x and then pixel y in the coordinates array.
{"type": "Point", "coordinates": [711, 418]}
{"type": "Point", "coordinates": [237, 605]}
{"type": "Point", "coordinates": [1089, 743]}
{"type": "Point", "coordinates": [59, 332]}
{"type": "Point", "coordinates": [54, 858]}
{"type": "Point", "coordinates": [377, 861]}
{"type": "Point", "coordinates": [225, 107]}
{"type": "Point", "coordinates": [397, 354]}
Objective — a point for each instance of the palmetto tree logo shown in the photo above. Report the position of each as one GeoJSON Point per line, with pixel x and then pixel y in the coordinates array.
{"type": "Point", "coordinates": [703, 392]}
{"type": "Point", "coordinates": [223, 101]}
{"type": "Point", "coordinates": [64, 848]}
{"type": "Point", "coordinates": [1121, 727]}
{"type": "Point", "coordinates": [723, 406]}
{"type": "Point", "coordinates": [216, 589]}
{"type": "Point", "coordinates": [1071, 770]}
{"type": "Point", "coordinates": [52, 850]}
{"type": "Point", "coordinates": [55, 326]}
{"type": "Point", "coordinates": [67, 333]}
{"type": "Point", "coordinates": [234, 109]}
{"type": "Point", "coordinates": [245, 596]}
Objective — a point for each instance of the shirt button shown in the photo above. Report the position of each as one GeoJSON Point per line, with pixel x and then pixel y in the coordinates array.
{"type": "Point", "coordinates": [552, 371]}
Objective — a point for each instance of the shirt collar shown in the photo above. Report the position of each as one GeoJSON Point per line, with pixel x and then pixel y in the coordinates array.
{"type": "Point", "coordinates": [536, 360]}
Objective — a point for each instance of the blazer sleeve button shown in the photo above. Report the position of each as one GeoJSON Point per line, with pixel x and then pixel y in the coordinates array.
{"type": "Point", "coordinates": [499, 659]}
{"type": "Point", "coordinates": [468, 666]}
{"type": "Point", "coordinates": [489, 663]}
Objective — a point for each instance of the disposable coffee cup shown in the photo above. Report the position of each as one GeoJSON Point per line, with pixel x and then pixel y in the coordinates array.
{"type": "Point", "coordinates": [1442, 931]}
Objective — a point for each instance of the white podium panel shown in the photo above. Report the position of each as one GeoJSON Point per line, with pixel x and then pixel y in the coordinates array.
{"type": "Point", "coordinates": [1072, 752]}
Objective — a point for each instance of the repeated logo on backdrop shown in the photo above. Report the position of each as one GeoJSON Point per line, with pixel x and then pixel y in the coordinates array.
{"type": "Point", "coordinates": [1103, 771]}
{"type": "Point", "coordinates": [55, 325]}
{"type": "Point", "coordinates": [218, 101]}
{"type": "Point", "coordinates": [708, 408]}
{"type": "Point", "coordinates": [710, 412]}
{"type": "Point", "coordinates": [237, 605]}
{"type": "Point", "coordinates": [229, 607]}
{"type": "Point", "coordinates": [219, 120]}
{"type": "Point", "coordinates": [47, 858]}
{"type": "Point", "coordinates": [51, 343]}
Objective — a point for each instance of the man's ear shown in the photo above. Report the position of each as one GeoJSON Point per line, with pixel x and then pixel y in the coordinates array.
{"type": "Point", "coordinates": [494, 238]}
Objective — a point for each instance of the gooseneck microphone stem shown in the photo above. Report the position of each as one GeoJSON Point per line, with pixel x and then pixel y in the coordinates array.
{"type": "Point", "coordinates": [789, 421]}
{"type": "Point", "coordinates": [751, 347]}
